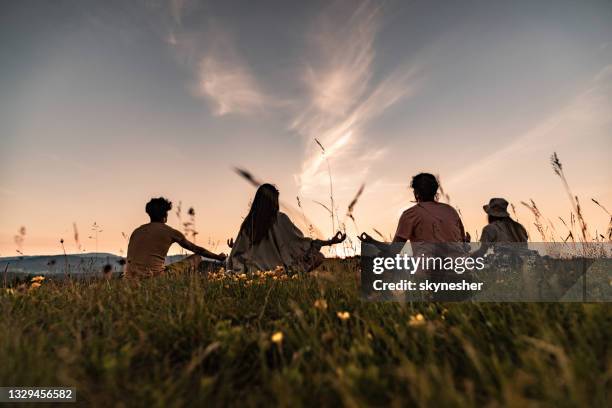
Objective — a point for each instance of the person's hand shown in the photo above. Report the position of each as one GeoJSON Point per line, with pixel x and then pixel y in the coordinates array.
{"type": "Point", "coordinates": [230, 242]}
{"type": "Point", "coordinates": [338, 238]}
{"type": "Point", "coordinates": [365, 238]}
{"type": "Point", "coordinates": [221, 257]}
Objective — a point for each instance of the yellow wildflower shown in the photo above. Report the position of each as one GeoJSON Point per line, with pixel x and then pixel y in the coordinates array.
{"type": "Point", "coordinates": [320, 304]}
{"type": "Point", "coordinates": [416, 320]}
{"type": "Point", "coordinates": [343, 315]}
{"type": "Point", "coordinates": [277, 337]}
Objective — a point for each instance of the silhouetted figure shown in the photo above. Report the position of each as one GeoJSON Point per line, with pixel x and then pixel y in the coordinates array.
{"type": "Point", "coordinates": [150, 242]}
{"type": "Point", "coordinates": [429, 220]}
{"type": "Point", "coordinates": [267, 239]}
{"type": "Point", "coordinates": [501, 228]}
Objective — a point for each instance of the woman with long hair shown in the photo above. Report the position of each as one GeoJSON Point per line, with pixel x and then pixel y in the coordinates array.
{"type": "Point", "coordinates": [501, 228]}
{"type": "Point", "coordinates": [267, 238]}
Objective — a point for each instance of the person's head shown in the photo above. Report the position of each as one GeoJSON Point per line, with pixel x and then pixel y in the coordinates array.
{"type": "Point", "coordinates": [497, 210]}
{"type": "Point", "coordinates": [158, 209]}
{"type": "Point", "coordinates": [262, 214]}
{"type": "Point", "coordinates": [425, 187]}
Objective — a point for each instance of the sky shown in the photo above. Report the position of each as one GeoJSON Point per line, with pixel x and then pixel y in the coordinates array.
{"type": "Point", "coordinates": [107, 104]}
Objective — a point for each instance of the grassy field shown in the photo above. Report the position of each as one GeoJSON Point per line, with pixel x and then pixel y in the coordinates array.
{"type": "Point", "coordinates": [185, 340]}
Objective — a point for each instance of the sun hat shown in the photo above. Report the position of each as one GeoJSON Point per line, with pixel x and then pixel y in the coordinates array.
{"type": "Point", "coordinates": [497, 207]}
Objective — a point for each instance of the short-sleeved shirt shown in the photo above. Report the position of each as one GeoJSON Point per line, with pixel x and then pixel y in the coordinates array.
{"type": "Point", "coordinates": [430, 221]}
{"type": "Point", "coordinates": [148, 247]}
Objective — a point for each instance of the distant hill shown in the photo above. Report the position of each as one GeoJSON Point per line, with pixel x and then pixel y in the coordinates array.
{"type": "Point", "coordinates": [88, 263]}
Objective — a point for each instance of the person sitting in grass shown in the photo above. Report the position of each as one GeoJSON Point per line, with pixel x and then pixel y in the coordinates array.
{"type": "Point", "coordinates": [150, 242]}
{"type": "Point", "coordinates": [267, 238]}
{"type": "Point", "coordinates": [501, 228]}
{"type": "Point", "coordinates": [428, 221]}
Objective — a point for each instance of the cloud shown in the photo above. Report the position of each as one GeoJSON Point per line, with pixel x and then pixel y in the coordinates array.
{"type": "Point", "coordinates": [229, 85]}
{"type": "Point", "coordinates": [221, 75]}
{"type": "Point", "coordinates": [342, 95]}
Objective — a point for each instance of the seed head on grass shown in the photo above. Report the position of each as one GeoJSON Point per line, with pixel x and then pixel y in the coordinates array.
{"type": "Point", "coordinates": [19, 239]}
{"type": "Point", "coordinates": [245, 174]}
{"type": "Point", "coordinates": [352, 204]}
{"type": "Point", "coordinates": [538, 217]}
{"type": "Point", "coordinates": [558, 169]}
{"type": "Point", "coordinates": [75, 232]}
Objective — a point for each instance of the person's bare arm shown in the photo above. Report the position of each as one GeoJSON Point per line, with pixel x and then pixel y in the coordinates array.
{"type": "Point", "coordinates": [366, 238]}
{"type": "Point", "coordinates": [190, 246]}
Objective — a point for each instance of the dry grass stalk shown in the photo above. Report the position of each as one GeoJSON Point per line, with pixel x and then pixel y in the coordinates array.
{"type": "Point", "coordinates": [558, 169]}
{"type": "Point", "coordinates": [537, 216]}
{"type": "Point", "coordinates": [310, 227]}
{"type": "Point", "coordinates": [442, 192]}
{"type": "Point", "coordinates": [331, 186]}
{"type": "Point", "coordinates": [66, 264]}
{"type": "Point", "coordinates": [609, 232]}
{"type": "Point", "coordinates": [75, 232]}
{"type": "Point", "coordinates": [19, 240]}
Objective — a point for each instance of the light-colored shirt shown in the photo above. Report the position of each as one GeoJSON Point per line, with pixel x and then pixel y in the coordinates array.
{"type": "Point", "coordinates": [430, 221]}
{"type": "Point", "coordinates": [148, 248]}
{"type": "Point", "coordinates": [285, 245]}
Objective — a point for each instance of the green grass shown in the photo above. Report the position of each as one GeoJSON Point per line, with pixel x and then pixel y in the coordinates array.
{"type": "Point", "coordinates": [180, 341]}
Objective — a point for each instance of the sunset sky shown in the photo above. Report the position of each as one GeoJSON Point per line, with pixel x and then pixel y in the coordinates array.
{"type": "Point", "coordinates": [106, 104]}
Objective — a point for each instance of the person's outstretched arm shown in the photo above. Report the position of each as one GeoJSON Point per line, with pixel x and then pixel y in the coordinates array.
{"type": "Point", "coordinates": [190, 246]}
{"type": "Point", "coordinates": [336, 239]}
{"type": "Point", "coordinates": [366, 238]}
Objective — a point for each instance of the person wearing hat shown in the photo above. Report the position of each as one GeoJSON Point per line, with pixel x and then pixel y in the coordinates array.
{"type": "Point", "coordinates": [501, 228]}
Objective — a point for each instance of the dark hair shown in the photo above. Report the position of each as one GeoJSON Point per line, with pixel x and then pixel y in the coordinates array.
{"type": "Point", "coordinates": [519, 233]}
{"type": "Point", "coordinates": [158, 209]}
{"type": "Point", "coordinates": [425, 186]}
{"type": "Point", "coordinates": [262, 214]}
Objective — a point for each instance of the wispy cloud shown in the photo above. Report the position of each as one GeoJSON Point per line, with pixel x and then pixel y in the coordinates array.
{"type": "Point", "coordinates": [221, 75]}
{"type": "Point", "coordinates": [342, 95]}
{"type": "Point", "coordinates": [228, 84]}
